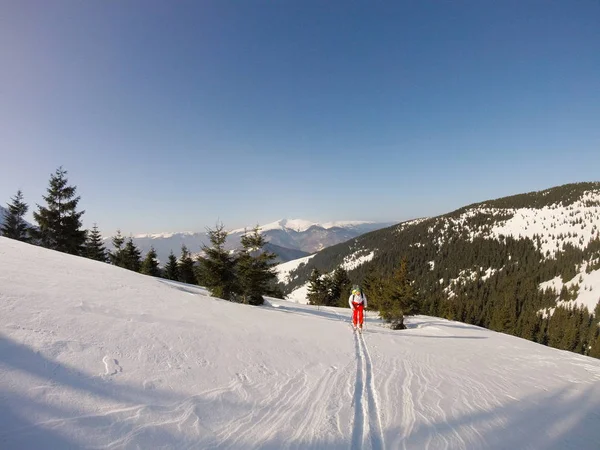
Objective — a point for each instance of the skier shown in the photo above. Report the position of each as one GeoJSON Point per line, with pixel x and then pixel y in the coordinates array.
{"type": "Point", "coordinates": [357, 302]}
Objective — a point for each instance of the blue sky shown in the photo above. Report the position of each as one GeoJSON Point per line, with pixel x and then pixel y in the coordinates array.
{"type": "Point", "coordinates": [170, 116]}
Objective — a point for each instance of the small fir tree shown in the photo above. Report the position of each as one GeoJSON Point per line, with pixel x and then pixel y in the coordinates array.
{"type": "Point", "coordinates": [186, 267]}
{"type": "Point", "coordinates": [94, 246]}
{"type": "Point", "coordinates": [399, 298]}
{"type": "Point", "coordinates": [218, 266]}
{"type": "Point", "coordinates": [340, 288]}
{"type": "Point", "coordinates": [117, 256]}
{"type": "Point", "coordinates": [255, 269]}
{"type": "Point", "coordinates": [59, 222]}
{"type": "Point", "coordinates": [14, 226]}
{"type": "Point", "coordinates": [132, 256]}
{"type": "Point", "coordinates": [372, 287]}
{"type": "Point", "coordinates": [171, 271]}
{"type": "Point", "coordinates": [150, 264]}
{"type": "Point", "coordinates": [317, 289]}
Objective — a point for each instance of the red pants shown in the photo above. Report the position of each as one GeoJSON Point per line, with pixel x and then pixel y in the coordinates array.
{"type": "Point", "coordinates": [357, 315]}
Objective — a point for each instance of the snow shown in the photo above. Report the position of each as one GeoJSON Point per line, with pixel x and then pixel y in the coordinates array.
{"type": "Point", "coordinates": [163, 235]}
{"type": "Point", "coordinates": [299, 295]}
{"type": "Point", "coordinates": [588, 294]}
{"type": "Point", "coordinates": [556, 225]}
{"type": "Point", "coordinates": [301, 225]}
{"type": "Point", "coordinates": [344, 224]}
{"type": "Point", "coordinates": [94, 356]}
{"type": "Point", "coordinates": [283, 270]}
{"type": "Point", "coordinates": [355, 260]}
{"type": "Point", "coordinates": [298, 225]}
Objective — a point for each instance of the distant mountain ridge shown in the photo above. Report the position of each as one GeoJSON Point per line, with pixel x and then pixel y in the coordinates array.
{"type": "Point", "coordinates": [288, 238]}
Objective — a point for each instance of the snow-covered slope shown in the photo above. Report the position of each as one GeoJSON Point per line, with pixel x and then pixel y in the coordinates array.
{"type": "Point", "coordinates": [93, 356]}
{"type": "Point", "coordinates": [550, 227]}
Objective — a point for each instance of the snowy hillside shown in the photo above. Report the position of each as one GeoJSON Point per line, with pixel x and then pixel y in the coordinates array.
{"type": "Point", "coordinates": [93, 356]}
{"type": "Point", "coordinates": [551, 227]}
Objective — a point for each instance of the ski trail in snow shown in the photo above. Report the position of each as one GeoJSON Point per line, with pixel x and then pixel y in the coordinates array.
{"type": "Point", "coordinates": [375, 430]}
{"type": "Point", "coordinates": [358, 429]}
{"type": "Point", "coordinates": [367, 419]}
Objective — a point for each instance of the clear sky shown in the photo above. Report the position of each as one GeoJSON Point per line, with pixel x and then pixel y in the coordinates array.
{"type": "Point", "coordinates": [172, 115]}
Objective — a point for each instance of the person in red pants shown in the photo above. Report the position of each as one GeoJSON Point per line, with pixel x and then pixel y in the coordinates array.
{"type": "Point", "coordinates": [358, 303]}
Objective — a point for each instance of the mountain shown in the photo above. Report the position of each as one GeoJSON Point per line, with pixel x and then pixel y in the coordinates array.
{"type": "Point", "coordinates": [289, 239]}
{"type": "Point", "coordinates": [97, 356]}
{"type": "Point", "coordinates": [504, 264]}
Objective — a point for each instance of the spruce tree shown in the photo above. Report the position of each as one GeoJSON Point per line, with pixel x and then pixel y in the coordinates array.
{"type": "Point", "coordinates": [372, 288]}
{"type": "Point", "coordinates": [150, 264]}
{"type": "Point", "coordinates": [171, 271]}
{"type": "Point", "coordinates": [132, 257]}
{"type": "Point", "coordinates": [218, 266]}
{"type": "Point", "coordinates": [317, 289]}
{"type": "Point", "coordinates": [59, 223]}
{"type": "Point", "coordinates": [399, 298]}
{"type": "Point", "coordinates": [255, 269]}
{"type": "Point", "coordinates": [14, 226]}
{"type": "Point", "coordinates": [186, 267]}
{"type": "Point", "coordinates": [117, 256]}
{"type": "Point", "coordinates": [340, 288]}
{"type": "Point", "coordinates": [94, 246]}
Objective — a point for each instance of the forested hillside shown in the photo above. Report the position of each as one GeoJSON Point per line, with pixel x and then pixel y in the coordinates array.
{"type": "Point", "coordinates": [504, 264]}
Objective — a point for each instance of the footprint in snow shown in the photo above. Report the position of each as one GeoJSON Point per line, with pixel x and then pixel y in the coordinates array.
{"type": "Point", "coordinates": [111, 366]}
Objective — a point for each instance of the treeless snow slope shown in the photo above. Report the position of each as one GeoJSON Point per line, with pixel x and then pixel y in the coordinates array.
{"type": "Point", "coordinates": [93, 356]}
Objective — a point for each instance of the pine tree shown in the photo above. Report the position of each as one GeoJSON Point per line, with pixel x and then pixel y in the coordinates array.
{"type": "Point", "coordinates": [340, 288]}
{"type": "Point", "coordinates": [94, 246]}
{"type": "Point", "coordinates": [117, 256]}
{"type": "Point", "coordinates": [372, 287]}
{"type": "Point", "coordinates": [218, 266]}
{"type": "Point", "coordinates": [186, 267]}
{"type": "Point", "coordinates": [399, 298]}
{"type": "Point", "coordinates": [132, 257]}
{"type": "Point", "coordinates": [150, 264]}
{"type": "Point", "coordinates": [317, 289]}
{"type": "Point", "coordinates": [59, 223]}
{"type": "Point", "coordinates": [171, 271]}
{"type": "Point", "coordinates": [255, 269]}
{"type": "Point", "coordinates": [14, 226]}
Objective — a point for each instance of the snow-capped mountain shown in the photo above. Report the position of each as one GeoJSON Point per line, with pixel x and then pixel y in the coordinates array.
{"type": "Point", "coordinates": [288, 238]}
{"type": "Point", "coordinates": [97, 356]}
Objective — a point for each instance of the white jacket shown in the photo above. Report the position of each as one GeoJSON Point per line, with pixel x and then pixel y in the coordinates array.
{"type": "Point", "coordinates": [362, 298]}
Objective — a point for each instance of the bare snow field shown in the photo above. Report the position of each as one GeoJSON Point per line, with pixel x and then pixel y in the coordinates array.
{"type": "Point", "coordinates": [97, 357]}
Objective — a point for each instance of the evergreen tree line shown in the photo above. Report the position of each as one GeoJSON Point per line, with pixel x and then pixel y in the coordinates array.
{"type": "Point", "coordinates": [245, 276]}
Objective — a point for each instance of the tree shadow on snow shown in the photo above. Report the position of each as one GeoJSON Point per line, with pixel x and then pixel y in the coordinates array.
{"type": "Point", "coordinates": [96, 411]}
{"type": "Point", "coordinates": [561, 419]}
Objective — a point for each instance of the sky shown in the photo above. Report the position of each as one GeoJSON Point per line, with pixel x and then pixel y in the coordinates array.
{"type": "Point", "coordinates": [173, 116]}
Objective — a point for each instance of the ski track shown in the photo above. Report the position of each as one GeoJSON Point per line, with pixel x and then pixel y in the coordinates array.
{"type": "Point", "coordinates": [367, 428]}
